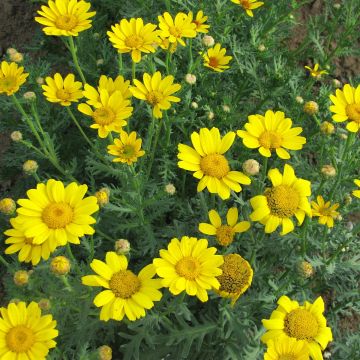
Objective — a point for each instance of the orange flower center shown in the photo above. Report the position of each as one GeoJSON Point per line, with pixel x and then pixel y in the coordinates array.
{"type": "Point", "coordinates": [188, 267]}
{"type": "Point", "coordinates": [213, 62]}
{"type": "Point", "coordinates": [57, 215]}
{"type": "Point", "coordinates": [301, 324]}
{"type": "Point", "coordinates": [62, 94]}
{"type": "Point", "coordinates": [66, 22]}
{"type": "Point", "coordinates": [8, 83]}
{"type": "Point", "coordinates": [104, 116]}
{"type": "Point", "coordinates": [128, 151]}
{"type": "Point", "coordinates": [245, 4]}
{"type": "Point", "coordinates": [353, 112]}
{"type": "Point", "coordinates": [225, 235]}
{"type": "Point", "coordinates": [175, 31]}
{"type": "Point", "coordinates": [134, 41]}
{"type": "Point", "coordinates": [154, 97]}
{"type": "Point", "coordinates": [283, 201]}
{"type": "Point", "coordinates": [215, 165]}
{"type": "Point", "coordinates": [28, 241]}
{"type": "Point", "coordinates": [270, 140]}
{"type": "Point", "coordinates": [20, 339]}
{"type": "Point", "coordinates": [124, 284]}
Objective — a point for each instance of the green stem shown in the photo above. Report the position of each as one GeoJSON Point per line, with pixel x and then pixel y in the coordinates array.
{"type": "Point", "coordinates": [3, 261]}
{"type": "Point", "coordinates": [304, 237]}
{"type": "Point", "coordinates": [65, 280]}
{"type": "Point", "coordinates": [32, 147]}
{"type": "Point", "coordinates": [133, 70]}
{"type": "Point", "coordinates": [190, 56]}
{"type": "Point", "coordinates": [157, 134]}
{"type": "Point", "coordinates": [138, 191]}
{"type": "Point", "coordinates": [71, 255]}
{"type": "Point", "coordinates": [71, 114]}
{"type": "Point", "coordinates": [73, 51]}
{"type": "Point", "coordinates": [120, 62]}
{"type": "Point", "coordinates": [168, 61]}
{"type": "Point", "coordinates": [111, 139]}
{"type": "Point", "coordinates": [264, 172]}
{"type": "Point", "coordinates": [168, 129]}
{"type": "Point", "coordinates": [36, 177]}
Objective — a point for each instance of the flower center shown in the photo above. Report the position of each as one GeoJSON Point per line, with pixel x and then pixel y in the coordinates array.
{"type": "Point", "coordinates": [245, 4]}
{"type": "Point", "coordinates": [287, 357]}
{"type": "Point", "coordinates": [104, 116]}
{"type": "Point", "coordinates": [215, 165]}
{"type": "Point", "coordinates": [124, 284]}
{"type": "Point", "coordinates": [283, 201]}
{"type": "Point", "coordinates": [270, 140]}
{"type": "Point", "coordinates": [225, 235]}
{"type": "Point", "coordinates": [66, 22]}
{"type": "Point", "coordinates": [20, 339]}
{"type": "Point", "coordinates": [7, 83]}
{"type": "Point", "coordinates": [213, 62]}
{"type": "Point", "coordinates": [236, 274]}
{"type": "Point", "coordinates": [133, 41]}
{"type": "Point", "coordinates": [62, 94]}
{"type": "Point", "coordinates": [28, 241]}
{"type": "Point", "coordinates": [154, 97]}
{"type": "Point", "coordinates": [353, 112]}
{"type": "Point", "coordinates": [57, 215]}
{"type": "Point", "coordinates": [176, 32]}
{"type": "Point", "coordinates": [188, 267]}
{"type": "Point", "coordinates": [301, 324]}
{"type": "Point", "coordinates": [128, 151]}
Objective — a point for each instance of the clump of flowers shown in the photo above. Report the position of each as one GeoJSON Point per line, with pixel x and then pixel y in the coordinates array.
{"type": "Point", "coordinates": [200, 21]}
{"type": "Point", "coordinates": [216, 59]}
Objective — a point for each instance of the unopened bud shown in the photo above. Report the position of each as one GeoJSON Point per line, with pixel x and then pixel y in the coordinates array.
{"type": "Point", "coordinates": [349, 225]}
{"type": "Point", "coordinates": [40, 80]}
{"type": "Point", "coordinates": [102, 196]}
{"type": "Point", "coordinates": [60, 265]}
{"type": "Point", "coordinates": [122, 246]}
{"type": "Point", "coordinates": [17, 57]}
{"type": "Point", "coordinates": [347, 199]}
{"type": "Point", "coordinates": [99, 62]}
{"type": "Point", "coordinates": [305, 269]}
{"type": "Point", "coordinates": [96, 36]}
{"type": "Point", "coordinates": [194, 105]}
{"type": "Point", "coordinates": [21, 277]}
{"type": "Point", "coordinates": [251, 167]}
{"type": "Point", "coordinates": [16, 136]}
{"type": "Point", "coordinates": [44, 304]}
{"type": "Point", "coordinates": [337, 6]}
{"type": "Point", "coordinates": [170, 189]}
{"type": "Point", "coordinates": [190, 79]}
{"type": "Point", "coordinates": [226, 108]}
{"type": "Point", "coordinates": [261, 47]}
{"type": "Point", "coordinates": [299, 100]}
{"type": "Point", "coordinates": [7, 206]}
{"type": "Point", "coordinates": [104, 352]}
{"type": "Point", "coordinates": [343, 136]}
{"type": "Point", "coordinates": [30, 167]}
{"type": "Point", "coordinates": [311, 107]}
{"type": "Point", "coordinates": [336, 83]}
{"type": "Point", "coordinates": [327, 128]}
{"type": "Point", "coordinates": [328, 170]}
{"type": "Point", "coordinates": [29, 96]}
{"type": "Point", "coordinates": [210, 115]}
{"type": "Point", "coordinates": [208, 41]}
{"type": "Point", "coordinates": [11, 51]}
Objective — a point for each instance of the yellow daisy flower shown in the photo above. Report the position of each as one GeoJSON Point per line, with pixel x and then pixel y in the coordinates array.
{"type": "Point", "coordinates": [109, 113]}
{"type": "Point", "coordinates": [215, 58]}
{"type": "Point", "coordinates": [347, 106]}
{"type": "Point", "coordinates": [206, 159]}
{"type": "Point", "coordinates": [356, 193]}
{"type": "Point", "coordinates": [165, 44]}
{"type": "Point", "coordinates": [315, 72]}
{"type": "Point", "coordinates": [236, 277]}
{"type": "Point", "coordinates": [287, 197]}
{"type": "Point", "coordinates": [176, 29]}
{"type": "Point", "coordinates": [56, 213]}
{"type": "Point", "coordinates": [199, 21]}
{"type": "Point", "coordinates": [28, 251]}
{"type": "Point", "coordinates": [286, 348]}
{"type": "Point", "coordinates": [11, 77]}
{"type": "Point", "coordinates": [132, 36]}
{"type": "Point", "coordinates": [306, 323]}
{"type": "Point", "coordinates": [324, 211]}
{"type": "Point", "coordinates": [126, 294]}
{"type": "Point", "coordinates": [24, 333]}
{"type": "Point", "coordinates": [271, 132]}
{"type": "Point", "coordinates": [65, 17]}
{"type": "Point", "coordinates": [248, 5]}
{"type": "Point", "coordinates": [127, 148]}
{"type": "Point", "coordinates": [63, 91]}
{"type": "Point", "coordinates": [156, 91]}
{"type": "Point", "coordinates": [108, 84]}
{"type": "Point", "coordinates": [224, 233]}
{"type": "Point", "coordinates": [189, 265]}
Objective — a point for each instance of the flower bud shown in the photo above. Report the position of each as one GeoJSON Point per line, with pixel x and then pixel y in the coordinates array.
{"type": "Point", "coordinates": [299, 100]}
{"type": "Point", "coordinates": [349, 225]}
{"type": "Point", "coordinates": [337, 6]}
{"type": "Point", "coordinates": [251, 167]}
{"type": "Point", "coordinates": [40, 80]}
{"type": "Point", "coordinates": [343, 136]}
{"type": "Point", "coordinates": [96, 36]}
{"type": "Point", "coordinates": [336, 83]}
{"type": "Point", "coordinates": [305, 269]}
{"type": "Point", "coordinates": [99, 62]}
{"type": "Point", "coordinates": [170, 189]}
{"type": "Point", "coordinates": [190, 79]}
{"type": "Point", "coordinates": [311, 107]}
{"type": "Point", "coordinates": [210, 115]}
{"type": "Point", "coordinates": [17, 57]}
{"type": "Point", "coordinates": [327, 128]}
{"type": "Point", "coordinates": [122, 246]}
{"type": "Point", "coordinates": [30, 167]}
{"type": "Point", "coordinates": [261, 47]}
{"type": "Point", "coordinates": [226, 108]}
{"type": "Point", "coordinates": [29, 96]}
{"type": "Point", "coordinates": [208, 41]}
{"type": "Point", "coordinates": [44, 304]}
{"type": "Point", "coordinates": [104, 353]}
{"type": "Point", "coordinates": [21, 277]}
{"type": "Point", "coordinates": [16, 136]}
{"type": "Point", "coordinates": [328, 170]}
{"type": "Point", "coordinates": [194, 105]}
{"type": "Point", "coordinates": [11, 51]}
{"type": "Point", "coordinates": [60, 265]}
{"type": "Point", "coordinates": [347, 199]}
{"type": "Point", "coordinates": [7, 206]}
{"type": "Point", "coordinates": [102, 196]}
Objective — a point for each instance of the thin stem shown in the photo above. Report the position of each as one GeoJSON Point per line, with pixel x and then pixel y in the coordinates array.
{"type": "Point", "coordinates": [133, 70]}
{"type": "Point", "coordinates": [304, 237]}
{"type": "Point", "coordinates": [73, 51]}
{"type": "Point", "coordinates": [71, 255]}
{"type": "Point", "coordinates": [168, 129]}
{"type": "Point", "coordinates": [168, 61]}
{"type": "Point", "coordinates": [32, 147]}
{"type": "Point", "coordinates": [4, 262]}
{"type": "Point", "coordinates": [71, 114]}
{"type": "Point", "coordinates": [157, 134]}
{"type": "Point", "coordinates": [138, 191]}
{"type": "Point", "coordinates": [190, 56]}
{"type": "Point", "coordinates": [110, 137]}
{"type": "Point", "coordinates": [65, 280]}
{"type": "Point", "coordinates": [120, 63]}
{"type": "Point", "coordinates": [36, 177]}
